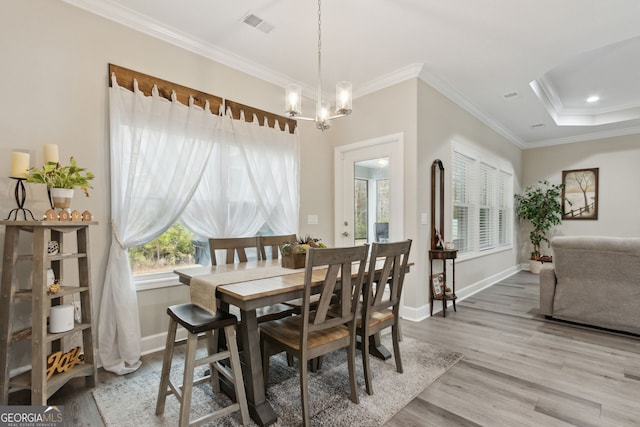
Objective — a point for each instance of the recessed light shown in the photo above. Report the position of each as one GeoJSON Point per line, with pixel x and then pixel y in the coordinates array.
{"type": "Point", "coordinates": [593, 98]}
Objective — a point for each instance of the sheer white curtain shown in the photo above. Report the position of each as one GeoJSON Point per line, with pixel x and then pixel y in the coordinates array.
{"type": "Point", "coordinates": [252, 179]}
{"type": "Point", "coordinates": [159, 150]}
{"type": "Point", "coordinates": [272, 159]}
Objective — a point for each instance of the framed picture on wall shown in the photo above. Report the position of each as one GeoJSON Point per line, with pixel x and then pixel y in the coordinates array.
{"type": "Point", "coordinates": [580, 194]}
{"type": "Point", "coordinates": [437, 285]}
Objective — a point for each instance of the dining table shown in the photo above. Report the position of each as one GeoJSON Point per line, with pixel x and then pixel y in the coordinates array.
{"type": "Point", "coordinates": [250, 286]}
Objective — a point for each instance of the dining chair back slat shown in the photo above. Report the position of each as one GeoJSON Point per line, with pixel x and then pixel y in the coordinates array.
{"type": "Point", "coordinates": [236, 252]}
{"type": "Point", "coordinates": [270, 245]}
{"type": "Point", "coordinates": [235, 247]}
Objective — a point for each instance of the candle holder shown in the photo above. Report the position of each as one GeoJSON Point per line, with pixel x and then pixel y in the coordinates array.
{"type": "Point", "coordinates": [21, 196]}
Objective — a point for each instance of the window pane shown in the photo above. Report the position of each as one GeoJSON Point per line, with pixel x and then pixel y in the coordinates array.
{"type": "Point", "coordinates": [173, 248]}
{"type": "Point", "coordinates": [460, 228]}
{"type": "Point", "coordinates": [361, 202]}
{"type": "Point", "coordinates": [382, 200]}
{"type": "Point", "coordinates": [460, 178]}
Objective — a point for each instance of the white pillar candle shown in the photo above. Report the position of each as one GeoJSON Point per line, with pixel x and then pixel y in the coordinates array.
{"type": "Point", "coordinates": [19, 165]}
{"type": "Point", "coordinates": [51, 153]}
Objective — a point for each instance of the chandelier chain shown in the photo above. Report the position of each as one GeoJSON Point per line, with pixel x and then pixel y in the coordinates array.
{"type": "Point", "coordinates": [319, 100]}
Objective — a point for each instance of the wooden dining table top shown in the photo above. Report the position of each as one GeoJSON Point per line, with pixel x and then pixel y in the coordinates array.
{"type": "Point", "coordinates": [256, 280]}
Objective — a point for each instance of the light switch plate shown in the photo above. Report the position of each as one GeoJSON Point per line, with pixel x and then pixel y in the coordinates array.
{"type": "Point", "coordinates": [423, 218]}
{"type": "Point", "coordinates": [312, 219]}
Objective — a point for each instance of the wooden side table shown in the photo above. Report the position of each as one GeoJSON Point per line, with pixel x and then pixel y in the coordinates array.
{"type": "Point", "coordinates": [443, 255]}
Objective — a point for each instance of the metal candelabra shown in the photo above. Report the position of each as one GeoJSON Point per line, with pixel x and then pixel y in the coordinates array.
{"type": "Point", "coordinates": [21, 196]}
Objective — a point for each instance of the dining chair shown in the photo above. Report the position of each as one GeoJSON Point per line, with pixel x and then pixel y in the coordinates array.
{"type": "Point", "coordinates": [327, 328]}
{"type": "Point", "coordinates": [198, 321]}
{"type": "Point", "coordinates": [381, 300]}
{"type": "Point", "coordinates": [270, 245]}
{"type": "Point", "coordinates": [236, 249]}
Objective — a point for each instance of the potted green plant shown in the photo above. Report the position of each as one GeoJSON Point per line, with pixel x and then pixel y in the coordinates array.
{"type": "Point", "coordinates": [294, 254]}
{"type": "Point", "coordinates": [57, 177]}
{"type": "Point", "coordinates": [541, 205]}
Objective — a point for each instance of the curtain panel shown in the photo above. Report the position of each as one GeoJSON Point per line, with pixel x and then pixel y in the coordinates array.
{"type": "Point", "coordinates": [221, 177]}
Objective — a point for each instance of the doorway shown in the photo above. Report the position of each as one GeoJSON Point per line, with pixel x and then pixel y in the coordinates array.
{"type": "Point", "coordinates": [369, 191]}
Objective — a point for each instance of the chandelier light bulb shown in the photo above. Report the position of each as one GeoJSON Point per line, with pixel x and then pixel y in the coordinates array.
{"type": "Point", "coordinates": [343, 98]}
{"type": "Point", "coordinates": [293, 100]}
{"type": "Point", "coordinates": [323, 112]}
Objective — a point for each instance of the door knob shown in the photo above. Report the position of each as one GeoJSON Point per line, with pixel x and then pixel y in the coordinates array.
{"type": "Point", "coordinates": [345, 234]}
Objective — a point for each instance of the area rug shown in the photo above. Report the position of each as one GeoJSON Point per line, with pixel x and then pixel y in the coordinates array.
{"type": "Point", "coordinates": [132, 401]}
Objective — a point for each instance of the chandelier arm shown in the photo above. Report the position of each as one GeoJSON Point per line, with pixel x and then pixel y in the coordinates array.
{"type": "Point", "coordinates": [311, 119]}
{"type": "Point", "coordinates": [337, 116]}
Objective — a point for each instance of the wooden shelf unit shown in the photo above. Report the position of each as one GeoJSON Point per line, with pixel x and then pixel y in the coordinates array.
{"type": "Point", "coordinates": [444, 255]}
{"type": "Point", "coordinates": [43, 342]}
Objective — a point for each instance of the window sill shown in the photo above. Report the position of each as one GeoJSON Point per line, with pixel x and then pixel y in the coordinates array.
{"type": "Point", "coordinates": [148, 282]}
{"type": "Point", "coordinates": [475, 255]}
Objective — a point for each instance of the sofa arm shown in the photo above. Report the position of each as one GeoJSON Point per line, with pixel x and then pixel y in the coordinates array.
{"type": "Point", "coordinates": [547, 289]}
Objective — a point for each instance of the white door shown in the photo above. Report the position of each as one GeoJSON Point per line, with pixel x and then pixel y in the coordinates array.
{"type": "Point", "coordinates": [372, 170]}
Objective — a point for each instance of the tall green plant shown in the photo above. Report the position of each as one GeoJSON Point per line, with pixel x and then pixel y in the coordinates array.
{"type": "Point", "coordinates": [541, 205]}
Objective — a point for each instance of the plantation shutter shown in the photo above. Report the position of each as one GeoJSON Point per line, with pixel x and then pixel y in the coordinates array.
{"type": "Point", "coordinates": [461, 178]}
{"type": "Point", "coordinates": [482, 194]}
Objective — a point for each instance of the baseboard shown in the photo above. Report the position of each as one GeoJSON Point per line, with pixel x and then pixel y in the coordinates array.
{"type": "Point", "coordinates": [417, 314]}
{"type": "Point", "coordinates": [158, 342]}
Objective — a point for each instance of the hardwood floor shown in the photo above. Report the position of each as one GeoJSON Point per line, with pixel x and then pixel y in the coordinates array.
{"type": "Point", "coordinates": [519, 369]}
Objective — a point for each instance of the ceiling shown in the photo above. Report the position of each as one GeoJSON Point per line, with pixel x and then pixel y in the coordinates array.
{"type": "Point", "coordinates": [525, 68]}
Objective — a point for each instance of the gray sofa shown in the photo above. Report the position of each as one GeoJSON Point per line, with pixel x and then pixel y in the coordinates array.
{"type": "Point", "coordinates": [593, 281]}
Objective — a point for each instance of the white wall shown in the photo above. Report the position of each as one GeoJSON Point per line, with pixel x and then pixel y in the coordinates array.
{"type": "Point", "coordinates": [440, 122]}
{"type": "Point", "coordinates": [619, 180]}
{"type": "Point", "coordinates": [390, 111]}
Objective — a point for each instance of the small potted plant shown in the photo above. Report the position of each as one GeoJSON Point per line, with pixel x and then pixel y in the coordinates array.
{"type": "Point", "coordinates": [294, 254]}
{"type": "Point", "coordinates": [61, 180]}
{"type": "Point", "coordinates": [541, 205]}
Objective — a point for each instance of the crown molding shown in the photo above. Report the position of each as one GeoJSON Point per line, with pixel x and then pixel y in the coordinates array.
{"type": "Point", "coordinates": [585, 137]}
{"type": "Point", "coordinates": [144, 24]}
{"type": "Point", "coordinates": [411, 71]}
{"type": "Point", "coordinates": [448, 91]}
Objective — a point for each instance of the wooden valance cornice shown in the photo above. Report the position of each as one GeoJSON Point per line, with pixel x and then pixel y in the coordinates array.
{"type": "Point", "coordinates": [146, 82]}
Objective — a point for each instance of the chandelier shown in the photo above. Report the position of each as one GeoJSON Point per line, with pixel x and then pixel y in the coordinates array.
{"type": "Point", "coordinates": [293, 96]}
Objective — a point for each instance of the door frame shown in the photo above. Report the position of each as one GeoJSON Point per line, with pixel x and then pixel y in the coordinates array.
{"type": "Point", "coordinates": [391, 146]}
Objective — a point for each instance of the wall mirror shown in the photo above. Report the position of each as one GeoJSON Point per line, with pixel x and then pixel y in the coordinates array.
{"type": "Point", "coordinates": [437, 205]}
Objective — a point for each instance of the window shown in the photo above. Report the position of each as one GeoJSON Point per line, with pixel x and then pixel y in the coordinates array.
{"type": "Point", "coordinates": [482, 192]}
{"type": "Point", "coordinates": [175, 247]}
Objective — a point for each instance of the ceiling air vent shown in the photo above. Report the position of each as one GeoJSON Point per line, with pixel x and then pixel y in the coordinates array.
{"type": "Point", "coordinates": [510, 95]}
{"type": "Point", "coordinates": [258, 23]}
{"type": "Point", "coordinates": [538, 125]}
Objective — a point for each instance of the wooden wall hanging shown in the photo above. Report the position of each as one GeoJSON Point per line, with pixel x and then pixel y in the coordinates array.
{"type": "Point", "coordinates": [146, 82]}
